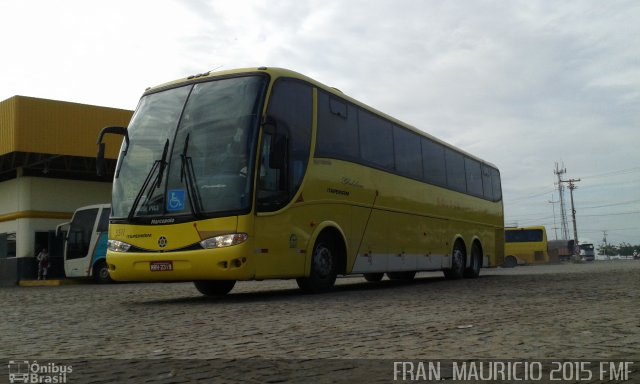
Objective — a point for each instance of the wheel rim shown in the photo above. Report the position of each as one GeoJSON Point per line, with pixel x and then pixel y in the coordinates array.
{"type": "Point", "coordinates": [457, 262]}
{"type": "Point", "coordinates": [323, 261]}
{"type": "Point", "coordinates": [475, 261]}
{"type": "Point", "coordinates": [104, 273]}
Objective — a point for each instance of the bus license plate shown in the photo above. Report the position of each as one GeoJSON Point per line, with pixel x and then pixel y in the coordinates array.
{"type": "Point", "coordinates": [161, 266]}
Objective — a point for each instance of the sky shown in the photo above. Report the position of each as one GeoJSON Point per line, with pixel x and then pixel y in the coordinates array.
{"type": "Point", "coordinates": [521, 84]}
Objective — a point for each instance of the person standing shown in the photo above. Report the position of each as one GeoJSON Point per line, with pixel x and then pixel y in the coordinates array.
{"type": "Point", "coordinates": [43, 264]}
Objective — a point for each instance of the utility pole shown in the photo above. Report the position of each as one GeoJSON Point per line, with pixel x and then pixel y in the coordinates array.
{"type": "Point", "coordinates": [563, 212]}
{"type": "Point", "coordinates": [555, 226]}
{"type": "Point", "coordinates": [604, 240]}
{"type": "Point", "coordinates": [572, 186]}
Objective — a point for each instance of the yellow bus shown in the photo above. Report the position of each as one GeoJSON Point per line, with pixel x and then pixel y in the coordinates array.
{"type": "Point", "coordinates": [525, 246]}
{"type": "Point", "coordinates": [264, 173]}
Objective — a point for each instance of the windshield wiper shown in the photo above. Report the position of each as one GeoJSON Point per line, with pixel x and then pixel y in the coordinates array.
{"type": "Point", "coordinates": [163, 163]}
{"type": "Point", "coordinates": [159, 165]}
{"type": "Point", "coordinates": [187, 172]}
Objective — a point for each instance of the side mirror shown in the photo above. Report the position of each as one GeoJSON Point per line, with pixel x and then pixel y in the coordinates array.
{"type": "Point", "coordinates": [278, 151]}
{"type": "Point", "coordinates": [61, 228]}
{"type": "Point", "coordinates": [279, 142]}
{"type": "Point", "coordinates": [100, 159]}
{"type": "Point", "coordinates": [101, 147]}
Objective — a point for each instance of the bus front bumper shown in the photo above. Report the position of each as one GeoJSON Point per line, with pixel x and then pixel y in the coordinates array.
{"type": "Point", "coordinates": [232, 263]}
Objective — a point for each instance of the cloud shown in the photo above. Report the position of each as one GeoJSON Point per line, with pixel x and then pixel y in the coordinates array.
{"type": "Point", "coordinates": [522, 84]}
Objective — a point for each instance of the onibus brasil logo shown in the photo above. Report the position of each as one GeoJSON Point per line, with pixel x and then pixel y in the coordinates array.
{"type": "Point", "coordinates": [24, 371]}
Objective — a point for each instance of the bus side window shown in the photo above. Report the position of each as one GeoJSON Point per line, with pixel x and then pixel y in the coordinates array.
{"type": "Point", "coordinates": [495, 181]}
{"type": "Point", "coordinates": [288, 137]}
{"type": "Point", "coordinates": [487, 184]}
{"type": "Point", "coordinates": [474, 177]}
{"type": "Point", "coordinates": [80, 231]}
{"type": "Point", "coordinates": [337, 135]}
{"type": "Point", "coordinates": [408, 154]}
{"type": "Point", "coordinates": [376, 141]}
{"type": "Point", "coordinates": [456, 178]}
{"type": "Point", "coordinates": [433, 164]}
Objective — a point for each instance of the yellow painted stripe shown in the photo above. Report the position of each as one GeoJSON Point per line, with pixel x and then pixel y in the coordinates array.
{"type": "Point", "coordinates": [35, 215]}
{"type": "Point", "coordinates": [47, 283]}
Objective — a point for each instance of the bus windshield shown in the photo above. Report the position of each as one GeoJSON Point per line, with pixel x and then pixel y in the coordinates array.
{"type": "Point", "coordinates": [523, 236]}
{"type": "Point", "coordinates": [191, 150]}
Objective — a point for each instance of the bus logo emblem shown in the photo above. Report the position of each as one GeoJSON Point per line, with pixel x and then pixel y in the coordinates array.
{"type": "Point", "coordinates": [162, 242]}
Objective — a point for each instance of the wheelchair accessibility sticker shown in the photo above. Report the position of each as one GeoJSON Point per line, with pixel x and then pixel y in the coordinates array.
{"type": "Point", "coordinates": [175, 201]}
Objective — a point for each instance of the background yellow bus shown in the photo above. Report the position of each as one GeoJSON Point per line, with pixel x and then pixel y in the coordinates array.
{"type": "Point", "coordinates": [525, 246]}
{"type": "Point", "coordinates": [265, 173]}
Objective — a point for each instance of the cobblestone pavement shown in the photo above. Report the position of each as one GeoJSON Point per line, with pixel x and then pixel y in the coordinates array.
{"type": "Point", "coordinates": [569, 311]}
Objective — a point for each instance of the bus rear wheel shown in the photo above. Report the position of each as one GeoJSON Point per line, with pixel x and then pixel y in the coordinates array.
{"type": "Point", "coordinates": [458, 263]}
{"type": "Point", "coordinates": [214, 287]}
{"type": "Point", "coordinates": [322, 276]}
{"type": "Point", "coordinates": [510, 262]}
{"type": "Point", "coordinates": [374, 277]}
{"type": "Point", "coordinates": [475, 263]}
{"type": "Point", "coordinates": [101, 273]}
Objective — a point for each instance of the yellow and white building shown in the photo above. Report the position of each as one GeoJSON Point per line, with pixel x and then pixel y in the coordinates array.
{"type": "Point", "coordinates": [47, 171]}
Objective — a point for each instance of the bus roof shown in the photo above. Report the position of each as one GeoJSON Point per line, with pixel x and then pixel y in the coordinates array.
{"type": "Point", "coordinates": [275, 72]}
{"type": "Point", "coordinates": [525, 228]}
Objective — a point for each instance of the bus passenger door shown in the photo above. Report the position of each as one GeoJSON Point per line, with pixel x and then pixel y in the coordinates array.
{"type": "Point", "coordinates": [274, 231]}
{"type": "Point", "coordinates": [80, 243]}
{"type": "Point", "coordinates": [284, 151]}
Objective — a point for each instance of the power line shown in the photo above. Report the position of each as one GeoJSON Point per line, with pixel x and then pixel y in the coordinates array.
{"type": "Point", "coordinates": [612, 214]}
{"type": "Point", "coordinates": [532, 196]}
{"type": "Point", "coordinates": [608, 185]}
{"type": "Point", "coordinates": [608, 230]}
{"type": "Point", "coordinates": [613, 173]}
{"type": "Point", "coordinates": [612, 204]}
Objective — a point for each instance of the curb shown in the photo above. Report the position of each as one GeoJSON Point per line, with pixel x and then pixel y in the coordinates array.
{"type": "Point", "coordinates": [47, 283]}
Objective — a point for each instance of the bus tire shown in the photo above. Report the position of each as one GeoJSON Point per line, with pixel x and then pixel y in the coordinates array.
{"type": "Point", "coordinates": [403, 276]}
{"type": "Point", "coordinates": [458, 263]}
{"type": "Point", "coordinates": [374, 277]}
{"type": "Point", "coordinates": [509, 262]}
{"type": "Point", "coordinates": [475, 263]}
{"type": "Point", "coordinates": [214, 287]}
{"type": "Point", "coordinates": [324, 268]}
{"type": "Point", "coordinates": [101, 273]}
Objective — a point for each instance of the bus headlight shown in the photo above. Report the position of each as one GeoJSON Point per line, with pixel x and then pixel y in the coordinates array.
{"type": "Point", "coordinates": [224, 240]}
{"type": "Point", "coordinates": [118, 246]}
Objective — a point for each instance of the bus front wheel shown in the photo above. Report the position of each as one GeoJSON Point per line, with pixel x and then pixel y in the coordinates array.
{"type": "Point", "coordinates": [214, 287]}
{"type": "Point", "coordinates": [101, 273]}
{"type": "Point", "coordinates": [324, 267]}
